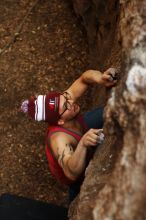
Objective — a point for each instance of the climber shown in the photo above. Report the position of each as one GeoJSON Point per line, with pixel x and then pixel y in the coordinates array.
{"type": "Point", "coordinates": [70, 137]}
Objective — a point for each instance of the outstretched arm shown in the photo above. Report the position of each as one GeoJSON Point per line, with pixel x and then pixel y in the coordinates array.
{"type": "Point", "coordinates": [91, 77]}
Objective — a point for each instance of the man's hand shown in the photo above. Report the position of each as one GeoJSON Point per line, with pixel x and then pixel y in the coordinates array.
{"type": "Point", "coordinates": [92, 138]}
{"type": "Point", "coordinates": [109, 77]}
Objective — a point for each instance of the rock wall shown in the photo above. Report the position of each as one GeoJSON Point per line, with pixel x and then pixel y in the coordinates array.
{"type": "Point", "coordinates": [114, 186]}
{"type": "Point", "coordinates": [100, 19]}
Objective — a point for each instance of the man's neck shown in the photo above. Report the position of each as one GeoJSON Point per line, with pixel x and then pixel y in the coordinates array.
{"type": "Point", "coordinates": [74, 125]}
{"type": "Point", "coordinates": [70, 124]}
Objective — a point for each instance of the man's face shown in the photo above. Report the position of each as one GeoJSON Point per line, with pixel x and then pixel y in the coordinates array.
{"type": "Point", "coordinates": [68, 109]}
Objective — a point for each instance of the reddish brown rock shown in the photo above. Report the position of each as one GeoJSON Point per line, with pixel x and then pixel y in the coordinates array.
{"type": "Point", "coordinates": [114, 186]}
{"type": "Point", "coordinates": [100, 20]}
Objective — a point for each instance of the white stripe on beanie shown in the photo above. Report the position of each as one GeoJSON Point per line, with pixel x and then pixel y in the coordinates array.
{"type": "Point", "coordinates": [40, 108]}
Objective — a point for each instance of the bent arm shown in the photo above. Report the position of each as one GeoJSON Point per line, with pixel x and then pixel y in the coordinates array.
{"type": "Point", "coordinates": [79, 86]}
{"type": "Point", "coordinates": [73, 162]}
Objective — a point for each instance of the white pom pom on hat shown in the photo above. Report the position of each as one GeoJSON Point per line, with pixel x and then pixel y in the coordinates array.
{"type": "Point", "coordinates": [24, 106]}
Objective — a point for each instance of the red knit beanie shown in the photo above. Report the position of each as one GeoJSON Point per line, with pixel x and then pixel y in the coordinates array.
{"type": "Point", "coordinates": [43, 107]}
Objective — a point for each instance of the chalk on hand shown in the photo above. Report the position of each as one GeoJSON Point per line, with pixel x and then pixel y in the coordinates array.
{"type": "Point", "coordinates": [113, 73]}
{"type": "Point", "coordinates": [101, 138]}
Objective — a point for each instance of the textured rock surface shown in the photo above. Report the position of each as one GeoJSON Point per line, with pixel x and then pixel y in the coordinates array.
{"type": "Point", "coordinates": [114, 187]}
{"type": "Point", "coordinates": [100, 19]}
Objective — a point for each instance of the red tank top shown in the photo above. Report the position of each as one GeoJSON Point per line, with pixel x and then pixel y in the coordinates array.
{"type": "Point", "coordinates": [54, 167]}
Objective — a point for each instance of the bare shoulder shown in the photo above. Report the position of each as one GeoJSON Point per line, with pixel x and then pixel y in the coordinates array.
{"type": "Point", "coordinates": [61, 142]}
{"type": "Point", "coordinates": [63, 149]}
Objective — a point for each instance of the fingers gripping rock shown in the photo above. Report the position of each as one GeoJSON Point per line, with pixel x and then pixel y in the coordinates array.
{"type": "Point", "coordinates": [101, 138]}
{"type": "Point", "coordinates": [113, 73]}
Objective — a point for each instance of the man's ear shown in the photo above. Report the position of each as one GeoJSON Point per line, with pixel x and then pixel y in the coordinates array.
{"type": "Point", "coordinates": [60, 122]}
